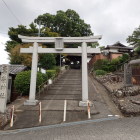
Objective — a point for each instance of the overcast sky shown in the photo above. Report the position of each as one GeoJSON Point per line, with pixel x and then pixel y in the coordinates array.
{"type": "Point", "coordinates": [113, 19]}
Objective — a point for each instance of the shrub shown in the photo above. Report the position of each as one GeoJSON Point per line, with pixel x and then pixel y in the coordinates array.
{"type": "Point", "coordinates": [22, 82]}
{"type": "Point", "coordinates": [105, 68]}
{"type": "Point", "coordinates": [100, 72]}
{"type": "Point", "coordinates": [57, 68]}
{"type": "Point", "coordinates": [124, 58]}
{"type": "Point", "coordinates": [115, 61]}
{"type": "Point", "coordinates": [66, 67]}
{"type": "Point", "coordinates": [45, 77]}
{"type": "Point", "coordinates": [112, 68]}
{"type": "Point", "coordinates": [137, 50]}
{"type": "Point", "coordinates": [51, 74]}
{"type": "Point", "coordinates": [99, 64]}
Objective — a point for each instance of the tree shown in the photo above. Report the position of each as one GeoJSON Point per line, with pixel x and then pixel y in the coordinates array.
{"type": "Point", "coordinates": [22, 30]}
{"type": "Point", "coordinates": [134, 39]}
{"type": "Point", "coordinates": [65, 23]}
{"type": "Point", "coordinates": [47, 61]}
{"type": "Point", "coordinates": [17, 58]}
{"type": "Point", "coordinates": [68, 24]}
{"type": "Point", "coordinates": [13, 46]}
{"type": "Point", "coordinates": [62, 24]}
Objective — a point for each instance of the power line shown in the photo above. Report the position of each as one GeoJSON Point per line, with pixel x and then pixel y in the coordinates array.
{"type": "Point", "coordinates": [11, 11]}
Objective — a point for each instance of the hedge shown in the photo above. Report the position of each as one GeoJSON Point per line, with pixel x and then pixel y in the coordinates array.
{"type": "Point", "coordinates": [110, 65]}
{"type": "Point", "coordinates": [22, 82]}
{"type": "Point", "coordinates": [51, 74]}
{"type": "Point", "coordinates": [100, 72]}
{"type": "Point", "coordinates": [57, 68]}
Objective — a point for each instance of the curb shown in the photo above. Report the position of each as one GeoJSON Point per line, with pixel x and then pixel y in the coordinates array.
{"type": "Point", "coordinates": [57, 126]}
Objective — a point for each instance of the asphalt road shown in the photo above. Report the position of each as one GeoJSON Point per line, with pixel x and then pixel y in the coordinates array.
{"type": "Point", "coordinates": [118, 129]}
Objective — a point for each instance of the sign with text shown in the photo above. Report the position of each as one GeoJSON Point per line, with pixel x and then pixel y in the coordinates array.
{"type": "Point", "coordinates": [4, 81]}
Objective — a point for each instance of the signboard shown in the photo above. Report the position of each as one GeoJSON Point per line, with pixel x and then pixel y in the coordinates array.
{"type": "Point", "coordinates": [4, 81]}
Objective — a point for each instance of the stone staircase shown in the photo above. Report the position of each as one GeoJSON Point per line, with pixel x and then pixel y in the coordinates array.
{"type": "Point", "coordinates": [67, 87]}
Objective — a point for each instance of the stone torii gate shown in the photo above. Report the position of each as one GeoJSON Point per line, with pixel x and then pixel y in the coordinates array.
{"type": "Point", "coordinates": [59, 48]}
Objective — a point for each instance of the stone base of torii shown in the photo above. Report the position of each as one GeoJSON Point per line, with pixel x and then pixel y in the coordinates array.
{"type": "Point", "coordinates": [59, 48]}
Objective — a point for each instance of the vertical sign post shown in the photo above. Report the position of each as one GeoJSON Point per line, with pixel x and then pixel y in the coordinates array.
{"type": "Point", "coordinates": [4, 87]}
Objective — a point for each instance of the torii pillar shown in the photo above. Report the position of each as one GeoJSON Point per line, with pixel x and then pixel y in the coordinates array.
{"type": "Point", "coordinates": [59, 48]}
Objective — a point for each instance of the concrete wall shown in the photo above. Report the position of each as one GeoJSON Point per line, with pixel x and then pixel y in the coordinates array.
{"type": "Point", "coordinates": [101, 56]}
{"type": "Point", "coordinates": [95, 58]}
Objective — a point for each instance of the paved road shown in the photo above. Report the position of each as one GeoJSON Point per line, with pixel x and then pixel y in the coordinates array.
{"type": "Point", "coordinates": [120, 129]}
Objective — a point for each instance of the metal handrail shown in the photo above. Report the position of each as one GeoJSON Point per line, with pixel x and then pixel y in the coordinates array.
{"type": "Point", "coordinates": [54, 78]}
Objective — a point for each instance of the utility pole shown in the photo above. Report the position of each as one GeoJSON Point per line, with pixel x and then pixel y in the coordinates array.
{"type": "Point", "coordinates": [39, 28]}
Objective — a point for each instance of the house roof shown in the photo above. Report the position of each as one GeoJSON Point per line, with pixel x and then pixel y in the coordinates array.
{"type": "Point", "coordinates": [118, 45]}
{"type": "Point", "coordinates": [14, 69]}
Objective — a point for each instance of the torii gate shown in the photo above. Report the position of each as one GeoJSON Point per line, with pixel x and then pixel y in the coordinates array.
{"type": "Point", "coordinates": [59, 48]}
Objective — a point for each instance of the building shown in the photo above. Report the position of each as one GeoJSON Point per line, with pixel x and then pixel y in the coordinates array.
{"type": "Point", "coordinates": [14, 70]}
{"type": "Point", "coordinates": [111, 52]}
{"type": "Point", "coordinates": [116, 50]}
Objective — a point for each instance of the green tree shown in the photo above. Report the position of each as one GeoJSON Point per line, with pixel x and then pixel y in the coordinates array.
{"type": "Point", "coordinates": [13, 46]}
{"type": "Point", "coordinates": [134, 39]}
{"type": "Point", "coordinates": [65, 23]}
{"type": "Point", "coordinates": [47, 61]}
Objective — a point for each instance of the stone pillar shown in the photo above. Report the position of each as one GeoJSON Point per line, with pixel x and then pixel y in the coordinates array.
{"type": "Point", "coordinates": [4, 87]}
{"type": "Point", "coordinates": [32, 93]}
{"type": "Point", "coordinates": [127, 75]}
{"type": "Point", "coordinates": [84, 76]}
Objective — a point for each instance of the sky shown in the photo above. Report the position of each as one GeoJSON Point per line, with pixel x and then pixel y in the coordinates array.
{"type": "Point", "coordinates": [115, 20]}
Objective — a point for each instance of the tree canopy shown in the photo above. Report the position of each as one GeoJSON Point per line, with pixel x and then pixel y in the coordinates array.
{"type": "Point", "coordinates": [65, 23]}
{"type": "Point", "coordinates": [134, 39]}
{"type": "Point", "coordinates": [13, 46]}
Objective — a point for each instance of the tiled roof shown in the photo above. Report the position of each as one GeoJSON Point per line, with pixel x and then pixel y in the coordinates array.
{"type": "Point", "coordinates": [14, 69]}
{"type": "Point", "coordinates": [118, 45]}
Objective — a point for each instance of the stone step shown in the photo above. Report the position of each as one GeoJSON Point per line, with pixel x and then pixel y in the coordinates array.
{"type": "Point", "coordinates": [61, 97]}
{"type": "Point", "coordinates": [65, 89]}
{"type": "Point", "coordinates": [67, 86]}
{"type": "Point", "coordinates": [62, 92]}
{"type": "Point", "coordinates": [66, 80]}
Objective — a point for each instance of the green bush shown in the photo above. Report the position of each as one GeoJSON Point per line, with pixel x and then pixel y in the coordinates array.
{"type": "Point", "coordinates": [115, 61]}
{"type": "Point", "coordinates": [100, 64]}
{"type": "Point", "coordinates": [57, 68]}
{"type": "Point", "coordinates": [66, 67]}
{"type": "Point", "coordinates": [100, 72]}
{"type": "Point", "coordinates": [124, 58]}
{"type": "Point", "coordinates": [137, 50]}
{"type": "Point", "coordinates": [51, 74]}
{"type": "Point", "coordinates": [105, 68]}
{"type": "Point", "coordinates": [45, 77]}
{"type": "Point", "coordinates": [22, 82]}
{"type": "Point", "coordinates": [112, 68]}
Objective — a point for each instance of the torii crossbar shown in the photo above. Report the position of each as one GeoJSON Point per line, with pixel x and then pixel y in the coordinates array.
{"type": "Point", "coordinates": [59, 48]}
